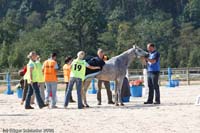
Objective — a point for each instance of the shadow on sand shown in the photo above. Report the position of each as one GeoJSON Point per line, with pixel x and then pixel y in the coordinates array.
{"type": "Point", "coordinates": [140, 106]}
{"type": "Point", "coordinates": [14, 115]}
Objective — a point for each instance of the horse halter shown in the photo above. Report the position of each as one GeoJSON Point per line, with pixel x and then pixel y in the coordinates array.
{"type": "Point", "coordinates": [136, 48]}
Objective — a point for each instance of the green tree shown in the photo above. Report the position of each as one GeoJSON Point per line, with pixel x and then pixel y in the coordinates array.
{"type": "Point", "coordinates": [4, 52]}
{"type": "Point", "coordinates": [86, 21]}
{"type": "Point", "coordinates": [171, 60]}
{"type": "Point", "coordinates": [187, 40]}
{"type": "Point", "coordinates": [192, 12]}
{"type": "Point", "coordinates": [194, 57]}
{"type": "Point", "coordinates": [66, 26]}
{"type": "Point", "coordinates": [33, 20]}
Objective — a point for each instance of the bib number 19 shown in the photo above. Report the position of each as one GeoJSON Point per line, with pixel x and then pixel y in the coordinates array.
{"type": "Point", "coordinates": [77, 67]}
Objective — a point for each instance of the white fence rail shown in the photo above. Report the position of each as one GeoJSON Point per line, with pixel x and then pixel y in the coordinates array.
{"type": "Point", "coordinates": [183, 74]}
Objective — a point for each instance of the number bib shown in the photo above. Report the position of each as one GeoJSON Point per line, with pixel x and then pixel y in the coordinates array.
{"type": "Point", "coordinates": [78, 69]}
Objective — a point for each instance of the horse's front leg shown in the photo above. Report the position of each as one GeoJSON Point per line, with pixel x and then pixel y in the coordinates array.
{"type": "Point", "coordinates": [120, 96]}
{"type": "Point", "coordinates": [119, 88]}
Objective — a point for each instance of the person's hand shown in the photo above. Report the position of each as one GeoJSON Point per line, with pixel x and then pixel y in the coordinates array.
{"type": "Point", "coordinates": [98, 67]}
{"type": "Point", "coordinates": [145, 58]}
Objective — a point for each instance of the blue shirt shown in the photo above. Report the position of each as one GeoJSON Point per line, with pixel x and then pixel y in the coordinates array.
{"type": "Point", "coordinates": [154, 67]}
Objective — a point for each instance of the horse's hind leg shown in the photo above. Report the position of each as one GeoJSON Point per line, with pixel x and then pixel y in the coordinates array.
{"type": "Point", "coordinates": [84, 92]}
{"type": "Point", "coordinates": [120, 93]}
{"type": "Point", "coordinates": [116, 94]}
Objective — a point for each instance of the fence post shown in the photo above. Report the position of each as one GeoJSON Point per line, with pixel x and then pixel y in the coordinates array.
{"type": "Point", "coordinates": [188, 76]}
{"type": "Point", "coordinates": [92, 90]}
{"type": "Point", "coordinates": [8, 91]}
{"type": "Point", "coordinates": [145, 78]}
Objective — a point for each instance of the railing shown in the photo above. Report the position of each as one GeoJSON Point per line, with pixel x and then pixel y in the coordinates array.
{"type": "Point", "coordinates": [187, 75]}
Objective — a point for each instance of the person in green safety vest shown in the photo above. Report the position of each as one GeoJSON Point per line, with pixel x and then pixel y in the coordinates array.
{"type": "Point", "coordinates": [25, 86]}
{"type": "Point", "coordinates": [32, 80]}
{"type": "Point", "coordinates": [77, 75]}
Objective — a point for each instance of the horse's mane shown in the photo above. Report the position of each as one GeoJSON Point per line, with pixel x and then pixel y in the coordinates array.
{"type": "Point", "coordinates": [123, 57]}
{"type": "Point", "coordinates": [126, 52]}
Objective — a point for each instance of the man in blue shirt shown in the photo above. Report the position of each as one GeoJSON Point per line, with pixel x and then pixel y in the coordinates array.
{"type": "Point", "coordinates": [153, 67]}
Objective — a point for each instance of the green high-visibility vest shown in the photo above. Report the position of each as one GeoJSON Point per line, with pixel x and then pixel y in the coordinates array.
{"type": "Point", "coordinates": [34, 72]}
{"type": "Point", "coordinates": [78, 69]}
{"type": "Point", "coordinates": [40, 75]}
{"type": "Point", "coordinates": [26, 75]}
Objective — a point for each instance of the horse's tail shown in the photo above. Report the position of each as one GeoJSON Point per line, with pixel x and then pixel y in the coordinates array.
{"type": "Point", "coordinates": [91, 76]}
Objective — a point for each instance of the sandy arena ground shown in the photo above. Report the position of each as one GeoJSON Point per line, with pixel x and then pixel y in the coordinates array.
{"type": "Point", "coordinates": [177, 113]}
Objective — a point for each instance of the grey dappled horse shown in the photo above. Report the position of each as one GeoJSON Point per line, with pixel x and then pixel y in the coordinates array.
{"type": "Point", "coordinates": [115, 70]}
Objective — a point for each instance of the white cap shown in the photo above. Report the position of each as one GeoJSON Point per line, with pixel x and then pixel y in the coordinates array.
{"type": "Point", "coordinates": [81, 55]}
{"type": "Point", "coordinates": [31, 54]}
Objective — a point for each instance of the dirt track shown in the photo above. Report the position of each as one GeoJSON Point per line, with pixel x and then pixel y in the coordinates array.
{"type": "Point", "coordinates": [177, 113]}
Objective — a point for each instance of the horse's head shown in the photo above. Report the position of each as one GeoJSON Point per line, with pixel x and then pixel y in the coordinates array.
{"type": "Point", "coordinates": [140, 52]}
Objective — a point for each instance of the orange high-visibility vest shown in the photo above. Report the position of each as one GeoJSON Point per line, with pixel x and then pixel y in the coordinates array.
{"type": "Point", "coordinates": [66, 72]}
{"type": "Point", "coordinates": [50, 71]}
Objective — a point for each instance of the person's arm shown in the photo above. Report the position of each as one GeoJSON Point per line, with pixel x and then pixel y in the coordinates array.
{"type": "Point", "coordinates": [56, 66]}
{"type": "Point", "coordinates": [31, 67]}
{"type": "Point", "coordinates": [154, 59]}
{"type": "Point", "coordinates": [93, 67]}
{"type": "Point", "coordinates": [31, 78]}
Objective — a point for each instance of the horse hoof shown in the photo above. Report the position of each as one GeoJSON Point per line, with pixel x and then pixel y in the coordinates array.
{"type": "Point", "coordinates": [116, 104]}
{"type": "Point", "coordinates": [122, 104]}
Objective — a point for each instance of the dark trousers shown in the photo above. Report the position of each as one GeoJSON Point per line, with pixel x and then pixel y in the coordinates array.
{"type": "Point", "coordinates": [153, 78]}
{"type": "Point", "coordinates": [107, 86]}
{"type": "Point", "coordinates": [36, 89]}
{"type": "Point", "coordinates": [25, 89]}
{"type": "Point", "coordinates": [67, 84]}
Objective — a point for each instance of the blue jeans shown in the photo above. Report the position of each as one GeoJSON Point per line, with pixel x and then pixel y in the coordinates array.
{"type": "Point", "coordinates": [153, 78]}
{"type": "Point", "coordinates": [51, 87]}
{"type": "Point", "coordinates": [78, 82]}
{"type": "Point", "coordinates": [67, 84]}
{"type": "Point", "coordinates": [34, 87]}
